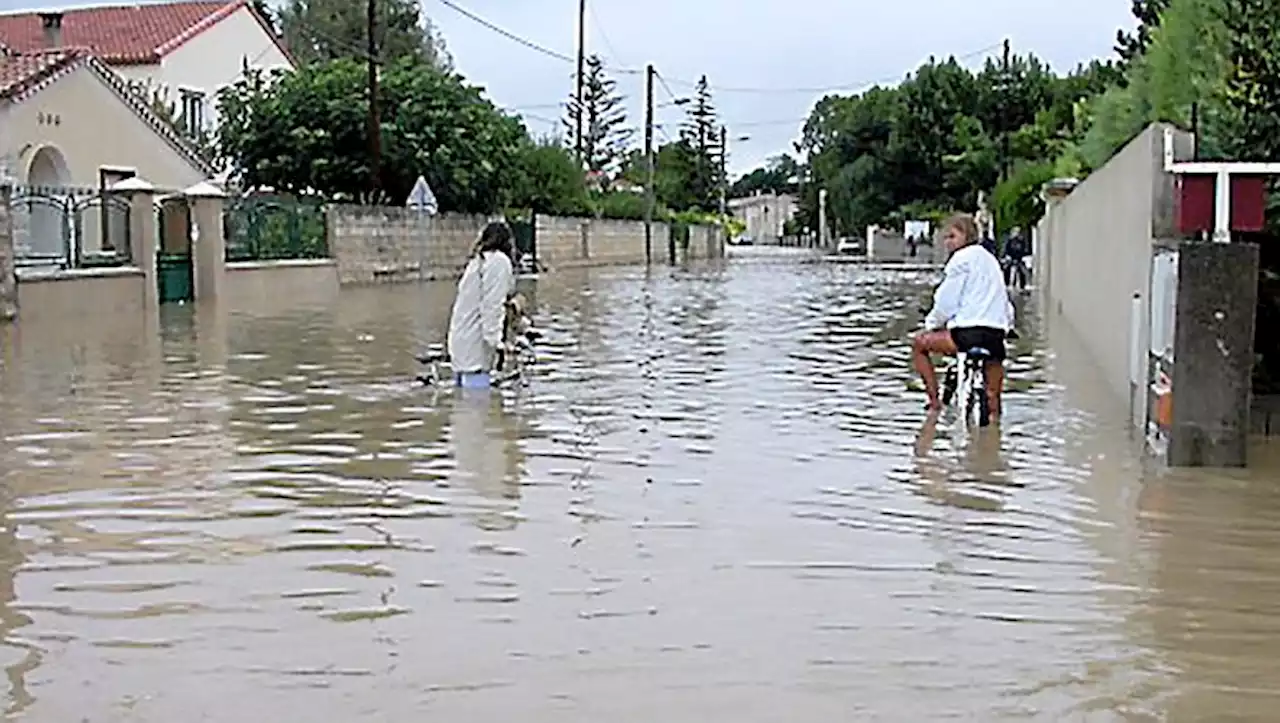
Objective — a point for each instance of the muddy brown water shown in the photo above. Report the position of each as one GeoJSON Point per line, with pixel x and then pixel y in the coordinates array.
{"type": "Point", "coordinates": [717, 500]}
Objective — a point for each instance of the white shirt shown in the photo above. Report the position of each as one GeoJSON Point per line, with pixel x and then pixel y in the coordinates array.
{"type": "Point", "coordinates": [972, 293]}
{"type": "Point", "coordinates": [475, 327]}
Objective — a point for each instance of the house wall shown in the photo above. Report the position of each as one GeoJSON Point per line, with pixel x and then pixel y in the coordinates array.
{"type": "Point", "coordinates": [1093, 257]}
{"type": "Point", "coordinates": [95, 128]}
{"type": "Point", "coordinates": [764, 216]}
{"type": "Point", "coordinates": [216, 57]}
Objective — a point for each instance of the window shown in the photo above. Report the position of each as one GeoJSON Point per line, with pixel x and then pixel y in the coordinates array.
{"type": "Point", "coordinates": [113, 217]}
{"type": "Point", "coordinates": [193, 111]}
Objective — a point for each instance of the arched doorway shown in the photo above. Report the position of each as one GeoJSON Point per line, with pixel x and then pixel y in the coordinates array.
{"type": "Point", "coordinates": [44, 204]}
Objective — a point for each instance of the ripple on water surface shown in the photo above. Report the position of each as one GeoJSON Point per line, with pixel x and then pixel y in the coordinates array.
{"type": "Point", "coordinates": [717, 498]}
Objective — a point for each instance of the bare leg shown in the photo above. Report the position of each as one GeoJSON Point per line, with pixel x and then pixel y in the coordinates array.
{"type": "Point", "coordinates": [994, 374]}
{"type": "Point", "coordinates": [924, 344]}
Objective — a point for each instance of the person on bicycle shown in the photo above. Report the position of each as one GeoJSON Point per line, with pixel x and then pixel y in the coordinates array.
{"type": "Point", "coordinates": [477, 322]}
{"type": "Point", "coordinates": [971, 309]}
{"type": "Point", "coordinates": [1016, 250]}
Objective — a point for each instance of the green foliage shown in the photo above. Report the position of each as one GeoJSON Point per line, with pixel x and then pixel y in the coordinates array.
{"type": "Point", "coordinates": [700, 150]}
{"type": "Point", "coordinates": [605, 135]}
{"type": "Point", "coordinates": [1148, 14]}
{"type": "Point", "coordinates": [265, 227]}
{"type": "Point", "coordinates": [306, 132]}
{"type": "Point", "coordinates": [318, 31]}
{"type": "Point", "coordinates": [781, 175]}
{"type": "Point", "coordinates": [1251, 90]}
{"type": "Point", "coordinates": [1016, 201]}
{"type": "Point", "coordinates": [618, 204]}
{"type": "Point", "coordinates": [549, 180]}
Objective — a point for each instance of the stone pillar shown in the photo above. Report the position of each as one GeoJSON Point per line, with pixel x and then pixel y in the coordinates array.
{"type": "Point", "coordinates": [8, 282]}
{"type": "Point", "coordinates": [1213, 354]}
{"type": "Point", "coordinates": [142, 235]}
{"type": "Point", "coordinates": [209, 243]}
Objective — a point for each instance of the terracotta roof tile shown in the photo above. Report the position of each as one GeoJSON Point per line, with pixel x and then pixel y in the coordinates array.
{"type": "Point", "coordinates": [122, 34]}
{"type": "Point", "coordinates": [20, 72]}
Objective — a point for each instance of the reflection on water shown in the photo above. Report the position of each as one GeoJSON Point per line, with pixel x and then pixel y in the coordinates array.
{"type": "Point", "coordinates": [717, 499]}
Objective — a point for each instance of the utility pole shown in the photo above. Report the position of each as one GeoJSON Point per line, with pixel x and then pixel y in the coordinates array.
{"type": "Point", "coordinates": [822, 218]}
{"type": "Point", "coordinates": [649, 198]}
{"type": "Point", "coordinates": [724, 169]}
{"type": "Point", "coordinates": [375, 125]}
{"type": "Point", "coordinates": [1007, 85]}
{"type": "Point", "coordinates": [582, 56]}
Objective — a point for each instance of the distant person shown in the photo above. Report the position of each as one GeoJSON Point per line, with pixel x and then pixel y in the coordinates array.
{"type": "Point", "coordinates": [1016, 250]}
{"type": "Point", "coordinates": [477, 322]}
{"type": "Point", "coordinates": [971, 309]}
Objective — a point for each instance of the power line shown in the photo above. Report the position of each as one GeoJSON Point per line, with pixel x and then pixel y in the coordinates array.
{"type": "Point", "coordinates": [591, 8]}
{"type": "Point", "coordinates": [667, 88]}
{"type": "Point", "coordinates": [509, 35]}
{"type": "Point", "coordinates": [719, 89]}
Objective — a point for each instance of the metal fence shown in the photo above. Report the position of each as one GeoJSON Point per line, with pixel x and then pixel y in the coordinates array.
{"type": "Point", "coordinates": [66, 227]}
{"type": "Point", "coordinates": [268, 227]}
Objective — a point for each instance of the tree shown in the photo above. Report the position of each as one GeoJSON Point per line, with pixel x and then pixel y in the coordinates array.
{"type": "Point", "coordinates": [264, 11]}
{"type": "Point", "coordinates": [302, 131]}
{"type": "Point", "coordinates": [781, 175]}
{"type": "Point", "coordinates": [550, 180]}
{"type": "Point", "coordinates": [1147, 12]}
{"type": "Point", "coordinates": [605, 135]}
{"type": "Point", "coordinates": [323, 30]}
{"type": "Point", "coordinates": [1251, 89]}
{"type": "Point", "coordinates": [700, 137]}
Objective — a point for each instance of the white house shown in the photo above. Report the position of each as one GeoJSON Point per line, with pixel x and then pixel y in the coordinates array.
{"type": "Point", "coordinates": [191, 50]}
{"type": "Point", "coordinates": [764, 215]}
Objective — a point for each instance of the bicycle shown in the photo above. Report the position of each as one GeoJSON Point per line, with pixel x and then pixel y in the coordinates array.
{"type": "Point", "coordinates": [1015, 273]}
{"type": "Point", "coordinates": [513, 357]}
{"type": "Point", "coordinates": [970, 384]}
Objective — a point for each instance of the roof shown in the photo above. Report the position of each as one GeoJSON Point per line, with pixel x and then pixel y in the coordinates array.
{"type": "Point", "coordinates": [24, 74]}
{"type": "Point", "coordinates": [134, 34]}
{"type": "Point", "coordinates": [18, 73]}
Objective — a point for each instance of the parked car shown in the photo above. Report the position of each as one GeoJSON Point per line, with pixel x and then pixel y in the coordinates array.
{"type": "Point", "coordinates": [744, 240]}
{"type": "Point", "coordinates": [851, 246]}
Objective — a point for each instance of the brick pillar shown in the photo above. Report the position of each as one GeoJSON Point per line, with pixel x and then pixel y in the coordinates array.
{"type": "Point", "coordinates": [1213, 354]}
{"type": "Point", "coordinates": [209, 250]}
{"type": "Point", "coordinates": [142, 235]}
{"type": "Point", "coordinates": [8, 283]}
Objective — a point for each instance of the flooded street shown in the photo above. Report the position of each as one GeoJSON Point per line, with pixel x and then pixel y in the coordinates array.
{"type": "Point", "coordinates": [719, 499]}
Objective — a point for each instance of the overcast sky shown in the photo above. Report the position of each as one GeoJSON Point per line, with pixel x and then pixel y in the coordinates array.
{"type": "Point", "coordinates": [770, 45]}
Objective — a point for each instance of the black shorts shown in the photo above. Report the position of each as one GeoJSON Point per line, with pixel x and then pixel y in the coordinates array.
{"type": "Point", "coordinates": [981, 337]}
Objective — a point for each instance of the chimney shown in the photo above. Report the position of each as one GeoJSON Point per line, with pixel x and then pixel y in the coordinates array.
{"type": "Point", "coordinates": [52, 24]}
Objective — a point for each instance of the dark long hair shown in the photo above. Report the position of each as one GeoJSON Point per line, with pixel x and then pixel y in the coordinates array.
{"type": "Point", "coordinates": [497, 236]}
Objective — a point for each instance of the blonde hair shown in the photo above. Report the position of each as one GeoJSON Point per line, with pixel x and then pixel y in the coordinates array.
{"type": "Point", "coordinates": [965, 224]}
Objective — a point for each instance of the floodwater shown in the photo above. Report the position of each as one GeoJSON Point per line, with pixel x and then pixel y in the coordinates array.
{"type": "Point", "coordinates": [719, 499]}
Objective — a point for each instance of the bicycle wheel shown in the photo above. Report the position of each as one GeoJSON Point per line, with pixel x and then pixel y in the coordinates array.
{"type": "Point", "coordinates": [982, 401]}
{"type": "Point", "coordinates": [949, 386]}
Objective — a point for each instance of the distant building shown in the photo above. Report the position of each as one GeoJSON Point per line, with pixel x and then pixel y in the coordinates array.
{"type": "Point", "coordinates": [764, 215]}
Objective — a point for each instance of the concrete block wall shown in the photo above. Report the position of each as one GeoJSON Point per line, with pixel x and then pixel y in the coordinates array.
{"type": "Point", "coordinates": [375, 244]}
{"type": "Point", "coordinates": [384, 245]}
{"type": "Point", "coordinates": [706, 242]}
{"type": "Point", "coordinates": [890, 246]}
{"type": "Point", "coordinates": [569, 242]}
{"type": "Point", "coordinates": [563, 242]}
{"type": "Point", "coordinates": [8, 283]}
